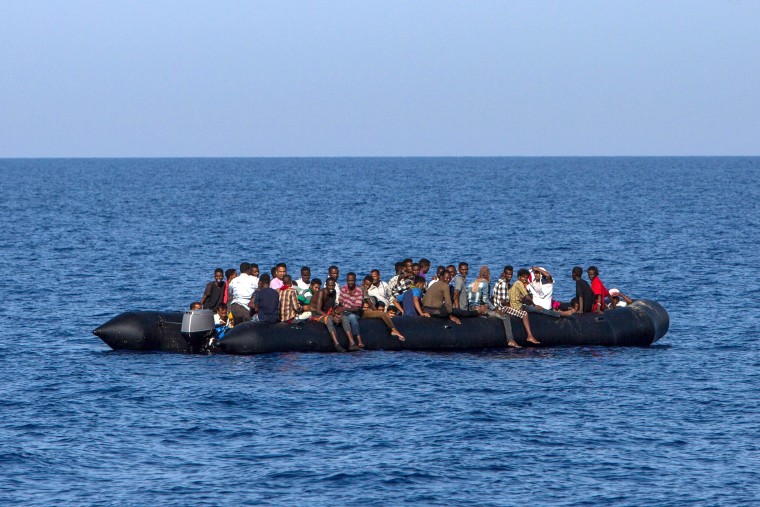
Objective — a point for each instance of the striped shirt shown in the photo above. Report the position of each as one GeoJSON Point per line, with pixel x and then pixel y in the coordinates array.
{"type": "Point", "coordinates": [351, 298]}
{"type": "Point", "coordinates": [501, 293]}
{"type": "Point", "coordinates": [288, 304]}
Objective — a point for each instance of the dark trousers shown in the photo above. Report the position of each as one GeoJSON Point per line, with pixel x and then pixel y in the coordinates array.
{"type": "Point", "coordinates": [240, 313]}
{"type": "Point", "coordinates": [444, 314]}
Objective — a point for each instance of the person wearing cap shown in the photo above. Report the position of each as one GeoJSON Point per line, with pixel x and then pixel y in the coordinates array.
{"type": "Point", "coordinates": [615, 296]}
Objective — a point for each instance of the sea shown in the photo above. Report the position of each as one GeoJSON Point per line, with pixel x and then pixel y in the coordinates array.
{"type": "Point", "coordinates": [674, 424]}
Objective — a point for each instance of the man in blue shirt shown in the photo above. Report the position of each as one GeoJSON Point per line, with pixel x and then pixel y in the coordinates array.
{"type": "Point", "coordinates": [267, 303]}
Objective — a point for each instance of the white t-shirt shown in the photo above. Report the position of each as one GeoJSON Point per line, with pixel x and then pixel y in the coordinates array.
{"type": "Point", "coordinates": [242, 287]}
{"type": "Point", "coordinates": [301, 286]}
{"type": "Point", "coordinates": [542, 294]}
{"type": "Point", "coordinates": [381, 292]}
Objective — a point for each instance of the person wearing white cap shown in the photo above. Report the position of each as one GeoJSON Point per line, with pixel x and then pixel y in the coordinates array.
{"type": "Point", "coordinates": [616, 296]}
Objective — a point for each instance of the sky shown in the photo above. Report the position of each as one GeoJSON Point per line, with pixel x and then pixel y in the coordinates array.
{"type": "Point", "coordinates": [379, 78]}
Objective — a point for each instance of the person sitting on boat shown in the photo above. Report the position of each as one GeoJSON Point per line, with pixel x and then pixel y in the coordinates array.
{"type": "Point", "coordinates": [410, 300]}
{"type": "Point", "coordinates": [242, 288]}
{"type": "Point", "coordinates": [303, 283]}
{"type": "Point", "coordinates": [334, 273]}
{"type": "Point", "coordinates": [600, 291]}
{"type": "Point", "coordinates": [404, 281]}
{"type": "Point", "coordinates": [437, 300]}
{"type": "Point", "coordinates": [459, 299]}
{"type": "Point", "coordinates": [424, 268]}
{"type": "Point", "coordinates": [213, 294]}
{"type": "Point", "coordinates": [502, 286]}
{"type": "Point", "coordinates": [541, 288]}
{"type": "Point", "coordinates": [583, 301]}
{"type": "Point", "coordinates": [367, 312]}
{"type": "Point", "coordinates": [289, 308]}
{"type": "Point", "coordinates": [615, 299]}
{"type": "Point", "coordinates": [351, 298]}
{"type": "Point", "coordinates": [518, 296]}
{"type": "Point", "coordinates": [478, 291]}
{"type": "Point", "coordinates": [379, 289]}
{"type": "Point", "coordinates": [222, 321]}
{"type": "Point", "coordinates": [437, 276]}
{"type": "Point", "coordinates": [280, 270]}
{"type": "Point", "coordinates": [366, 298]}
{"type": "Point", "coordinates": [322, 308]}
{"type": "Point", "coordinates": [267, 302]}
{"type": "Point", "coordinates": [304, 299]}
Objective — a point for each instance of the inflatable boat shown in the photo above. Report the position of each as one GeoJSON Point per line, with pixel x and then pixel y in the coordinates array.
{"type": "Point", "coordinates": [637, 325]}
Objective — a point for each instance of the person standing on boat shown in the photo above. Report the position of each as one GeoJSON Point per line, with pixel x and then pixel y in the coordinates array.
{"type": "Point", "coordinates": [213, 295]}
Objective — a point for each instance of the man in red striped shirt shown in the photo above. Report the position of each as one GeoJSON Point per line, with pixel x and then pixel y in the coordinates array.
{"type": "Point", "coordinates": [351, 298]}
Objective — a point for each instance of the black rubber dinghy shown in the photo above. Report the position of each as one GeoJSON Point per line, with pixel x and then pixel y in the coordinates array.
{"type": "Point", "coordinates": [637, 325]}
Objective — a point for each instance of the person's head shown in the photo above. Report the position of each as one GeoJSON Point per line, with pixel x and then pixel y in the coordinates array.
{"type": "Point", "coordinates": [415, 269]}
{"type": "Point", "coordinates": [592, 272]}
{"type": "Point", "coordinates": [264, 281]}
{"type": "Point", "coordinates": [287, 280]}
{"type": "Point", "coordinates": [230, 274]}
{"type": "Point", "coordinates": [446, 276]}
{"type": "Point", "coordinates": [218, 274]}
{"type": "Point", "coordinates": [464, 268]}
{"type": "Point", "coordinates": [245, 268]}
{"type": "Point", "coordinates": [419, 282]}
{"type": "Point", "coordinates": [484, 273]}
{"type": "Point", "coordinates": [577, 273]}
{"type": "Point", "coordinates": [365, 305]}
{"type": "Point", "coordinates": [315, 285]}
{"type": "Point", "coordinates": [367, 282]}
{"type": "Point", "coordinates": [615, 296]}
{"type": "Point", "coordinates": [380, 306]}
{"type": "Point", "coordinates": [507, 273]}
{"type": "Point", "coordinates": [375, 274]}
{"type": "Point", "coordinates": [306, 274]}
{"type": "Point", "coordinates": [280, 271]}
{"type": "Point", "coordinates": [576, 305]}
{"type": "Point", "coordinates": [222, 310]}
{"type": "Point", "coordinates": [272, 270]}
{"type": "Point", "coordinates": [392, 311]}
{"type": "Point", "coordinates": [330, 284]}
{"type": "Point", "coordinates": [424, 265]}
{"type": "Point", "coordinates": [408, 264]}
{"type": "Point", "coordinates": [439, 270]}
{"type": "Point", "coordinates": [399, 266]}
{"type": "Point", "coordinates": [523, 275]}
{"type": "Point", "coordinates": [333, 272]}
{"type": "Point", "coordinates": [196, 305]}
{"type": "Point", "coordinates": [351, 280]}
{"type": "Point", "coordinates": [452, 270]}
{"type": "Point", "coordinates": [255, 269]}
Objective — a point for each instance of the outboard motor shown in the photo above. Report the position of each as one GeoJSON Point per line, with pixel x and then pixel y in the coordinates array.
{"type": "Point", "coordinates": [198, 330]}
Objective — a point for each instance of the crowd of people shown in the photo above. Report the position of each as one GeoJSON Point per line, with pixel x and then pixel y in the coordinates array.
{"type": "Point", "coordinates": [414, 290]}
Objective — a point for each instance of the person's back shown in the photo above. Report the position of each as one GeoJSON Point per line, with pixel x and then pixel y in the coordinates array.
{"type": "Point", "coordinates": [407, 301]}
{"type": "Point", "coordinates": [437, 296]}
{"type": "Point", "coordinates": [583, 289]}
{"type": "Point", "coordinates": [269, 305]}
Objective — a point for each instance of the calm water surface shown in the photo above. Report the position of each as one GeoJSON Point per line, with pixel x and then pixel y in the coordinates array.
{"type": "Point", "coordinates": [674, 424]}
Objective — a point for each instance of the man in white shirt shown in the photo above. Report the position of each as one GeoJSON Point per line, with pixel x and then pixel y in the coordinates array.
{"type": "Point", "coordinates": [303, 283]}
{"type": "Point", "coordinates": [379, 289]}
{"type": "Point", "coordinates": [241, 290]}
{"type": "Point", "coordinates": [541, 288]}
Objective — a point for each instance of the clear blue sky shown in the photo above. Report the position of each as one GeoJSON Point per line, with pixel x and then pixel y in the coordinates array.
{"type": "Point", "coordinates": [335, 78]}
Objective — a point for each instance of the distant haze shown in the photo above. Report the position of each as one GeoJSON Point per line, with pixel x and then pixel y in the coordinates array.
{"type": "Point", "coordinates": [379, 78]}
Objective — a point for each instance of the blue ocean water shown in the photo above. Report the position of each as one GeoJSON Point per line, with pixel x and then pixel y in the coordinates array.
{"type": "Point", "coordinates": [674, 424]}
